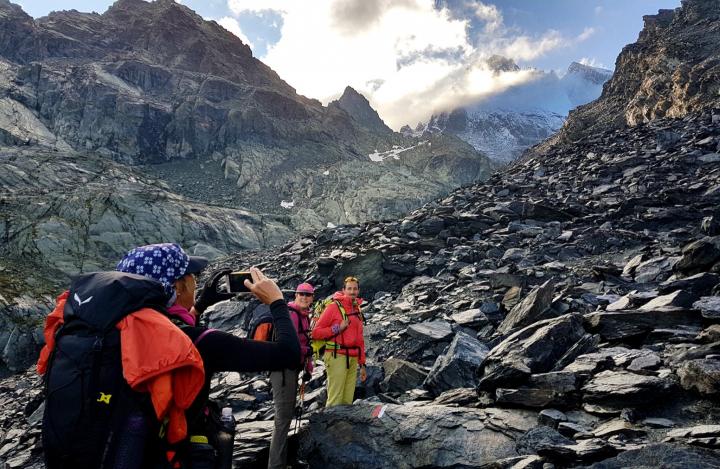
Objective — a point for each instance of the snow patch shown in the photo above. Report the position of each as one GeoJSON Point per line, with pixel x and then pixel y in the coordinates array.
{"type": "Point", "coordinates": [330, 225]}
{"type": "Point", "coordinates": [379, 157]}
{"type": "Point", "coordinates": [326, 172]}
{"type": "Point", "coordinates": [288, 205]}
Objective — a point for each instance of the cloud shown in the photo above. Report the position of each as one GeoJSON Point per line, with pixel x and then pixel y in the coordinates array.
{"type": "Point", "coordinates": [232, 25]}
{"type": "Point", "coordinates": [592, 62]}
{"type": "Point", "coordinates": [490, 15]}
{"type": "Point", "coordinates": [586, 34]}
{"type": "Point", "coordinates": [410, 58]}
{"type": "Point", "coordinates": [256, 6]}
{"type": "Point", "coordinates": [527, 48]}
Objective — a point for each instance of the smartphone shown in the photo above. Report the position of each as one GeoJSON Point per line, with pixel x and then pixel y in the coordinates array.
{"type": "Point", "coordinates": [236, 282]}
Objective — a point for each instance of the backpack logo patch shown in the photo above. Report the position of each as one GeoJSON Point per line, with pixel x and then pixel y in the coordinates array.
{"type": "Point", "coordinates": [81, 302]}
{"type": "Point", "coordinates": [104, 398]}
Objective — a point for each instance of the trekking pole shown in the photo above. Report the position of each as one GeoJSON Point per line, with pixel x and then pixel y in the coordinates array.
{"type": "Point", "coordinates": [299, 408]}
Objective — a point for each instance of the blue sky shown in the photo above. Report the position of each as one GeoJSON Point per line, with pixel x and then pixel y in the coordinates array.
{"type": "Point", "coordinates": [411, 57]}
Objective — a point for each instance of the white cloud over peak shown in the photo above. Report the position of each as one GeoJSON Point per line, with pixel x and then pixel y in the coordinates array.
{"type": "Point", "coordinates": [592, 62]}
{"type": "Point", "coordinates": [408, 57]}
{"type": "Point", "coordinates": [232, 25]}
{"type": "Point", "coordinates": [490, 15]}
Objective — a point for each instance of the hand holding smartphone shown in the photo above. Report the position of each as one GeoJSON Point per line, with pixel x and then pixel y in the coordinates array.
{"type": "Point", "coordinates": [254, 282]}
{"type": "Point", "coordinates": [236, 282]}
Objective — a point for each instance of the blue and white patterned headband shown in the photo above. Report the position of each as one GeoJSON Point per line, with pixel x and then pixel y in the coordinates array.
{"type": "Point", "coordinates": [164, 262]}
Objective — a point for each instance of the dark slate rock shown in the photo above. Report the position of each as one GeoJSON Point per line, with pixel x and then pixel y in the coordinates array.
{"type": "Point", "coordinates": [709, 306]}
{"type": "Point", "coordinates": [457, 367]}
{"type": "Point", "coordinates": [655, 270]}
{"type": "Point", "coordinates": [619, 389]}
{"type": "Point", "coordinates": [401, 376]}
{"type": "Point", "coordinates": [662, 455]}
{"type": "Point", "coordinates": [583, 452]}
{"type": "Point", "coordinates": [551, 418]}
{"type": "Point", "coordinates": [529, 310]}
{"type": "Point", "coordinates": [676, 299]}
{"type": "Point", "coordinates": [702, 375]}
{"type": "Point", "coordinates": [533, 349]}
{"type": "Point", "coordinates": [539, 438]}
{"type": "Point", "coordinates": [470, 318]}
{"type": "Point", "coordinates": [465, 397]}
{"type": "Point", "coordinates": [698, 284]}
{"type": "Point", "coordinates": [431, 330]}
{"type": "Point", "coordinates": [698, 255]}
{"type": "Point", "coordinates": [633, 323]}
{"type": "Point", "coordinates": [405, 437]}
{"type": "Point", "coordinates": [431, 226]}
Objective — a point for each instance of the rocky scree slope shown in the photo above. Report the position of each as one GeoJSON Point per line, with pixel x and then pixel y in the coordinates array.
{"type": "Point", "coordinates": [152, 82]}
{"type": "Point", "coordinates": [91, 105]}
{"type": "Point", "coordinates": [564, 314]}
{"type": "Point", "coordinates": [672, 69]}
{"type": "Point", "coordinates": [63, 212]}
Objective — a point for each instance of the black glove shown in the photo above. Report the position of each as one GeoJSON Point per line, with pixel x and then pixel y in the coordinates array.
{"type": "Point", "coordinates": [209, 294]}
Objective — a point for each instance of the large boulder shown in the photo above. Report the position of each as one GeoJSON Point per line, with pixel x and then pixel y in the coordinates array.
{"type": "Point", "coordinates": [699, 255]}
{"type": "Point", "coordinates": [703, 375]}
{"type": "Point", "coordinates": [457, 367]}
{"type": "Point", "coordinates": [394, 436]}
{"type": "Point", "coordinates": [634, 323]}
{"type": "Point", "coordinates": [619, 389]}
{"type": "Point", "coordinates": [401, 375]}
{"type": "Point", "coordinates": [664, 455]}
{"type": "Point", "coordinates": [529, 310]}
{"type": "Point", "coordinates": [533, 349]}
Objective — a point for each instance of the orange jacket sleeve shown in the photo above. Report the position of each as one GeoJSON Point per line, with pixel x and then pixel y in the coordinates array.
{"type": "Point", "coordinates": [52, 324]}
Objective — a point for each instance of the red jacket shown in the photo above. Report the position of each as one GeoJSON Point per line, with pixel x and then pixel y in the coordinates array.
{"type": "Point", "coordinates": [352, 337]}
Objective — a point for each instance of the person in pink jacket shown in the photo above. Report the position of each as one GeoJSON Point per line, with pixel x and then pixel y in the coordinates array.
{"type": "Point", "coordinates": [284, 382]}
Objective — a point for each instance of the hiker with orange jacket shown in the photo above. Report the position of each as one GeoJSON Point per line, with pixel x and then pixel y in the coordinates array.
{"type": "Point", "coordinates": [341, 326]}
{"type": "Point", "coordinates": [125, 361]}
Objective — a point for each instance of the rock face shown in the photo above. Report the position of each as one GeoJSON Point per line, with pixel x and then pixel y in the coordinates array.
{"type": "Point", "coordinates": [147, 123]}
{"type": "Point", "coordinates": [670, 71]}
{"type": "Point", "coordinates": [620, 369]}
{"type": "Point", "coordinates": [389, 436]}
{"type": "Point", "coordinates": [358, 107]}
{"type": "Point", "coordinates": [153, 84]}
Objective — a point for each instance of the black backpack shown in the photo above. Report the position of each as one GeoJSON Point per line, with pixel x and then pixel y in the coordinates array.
{"type": "Point", "coordinates": [92, 418]}
{"type": "Point", "coordinates": [261, 319]}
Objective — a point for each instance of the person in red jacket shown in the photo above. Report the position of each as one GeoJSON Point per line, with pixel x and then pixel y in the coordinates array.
{"type": "Point", "coordinates": [341, 326]}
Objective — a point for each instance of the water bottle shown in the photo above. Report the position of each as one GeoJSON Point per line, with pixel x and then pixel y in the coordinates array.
{"type": "Point", "coordinates": [226, 439]}
{"type": "Point", "coordinates": [202, 454]}
{"type": "Point", "coordinates": [131, 442]}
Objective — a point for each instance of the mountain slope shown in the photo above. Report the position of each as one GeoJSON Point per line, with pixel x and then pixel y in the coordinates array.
{"type": "Point", "coordinates": [505, 124]}
{"type": "Point", "coordinates": [152, 82]}
{"type": "Point", "coordinates": [672, 69]}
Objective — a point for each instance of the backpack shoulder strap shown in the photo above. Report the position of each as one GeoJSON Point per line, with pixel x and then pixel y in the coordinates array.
{"type": "Point", "coordinates": [343, 313]}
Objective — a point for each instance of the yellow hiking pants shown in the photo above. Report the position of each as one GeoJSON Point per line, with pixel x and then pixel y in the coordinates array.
{"type": "Point", "coordinates": [341, 379]}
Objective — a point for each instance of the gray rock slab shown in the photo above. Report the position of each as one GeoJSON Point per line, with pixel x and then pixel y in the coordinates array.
{"type": "Point", "coordinates": [529, 310]}
{"type": "Point", "coordinates": [533, 349]}
{"type": "Point", "coordinates": [432, 330]}
{"type": "Point", "coordinates": [702, 375]}
{"type": "Point", "coordinates": [382, 436]}
{"type": "Point", "coordinates": [620, 389]}
{"type": "Point", "coordinates": [457, 367]}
